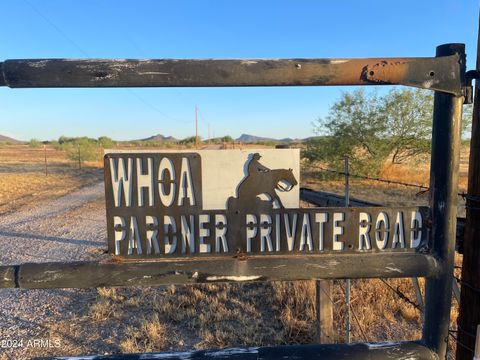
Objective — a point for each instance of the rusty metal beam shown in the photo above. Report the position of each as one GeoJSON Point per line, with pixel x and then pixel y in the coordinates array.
{"type": "Point", "coordinates": [446, 74]}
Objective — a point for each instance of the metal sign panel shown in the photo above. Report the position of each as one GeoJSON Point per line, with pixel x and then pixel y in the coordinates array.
{"type": "Point", "coordinates": [163, 205]}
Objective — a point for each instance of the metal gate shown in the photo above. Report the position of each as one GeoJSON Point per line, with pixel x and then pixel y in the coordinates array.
{"type": "Point", "coordinates": [445, 74]}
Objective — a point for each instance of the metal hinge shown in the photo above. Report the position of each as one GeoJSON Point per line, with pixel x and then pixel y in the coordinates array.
{"type": "Point", "coordinates": [469, 76]}
{"type": "Point", "coordinates": [440, 73]}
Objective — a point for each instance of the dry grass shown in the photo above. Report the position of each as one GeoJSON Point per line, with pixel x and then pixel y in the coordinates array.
{"type": "Point", "coordinates": [23, 179]}
{"type": "Point", "coordinates": [416, 171]}
{"type": "Point", "coordinates": [110, 320]}
{"type": "Point", "coordinates": [151, 335]}
{"type": "Point", "coordinates": [224, 315]}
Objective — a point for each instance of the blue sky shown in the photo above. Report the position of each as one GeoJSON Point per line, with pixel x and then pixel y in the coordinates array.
{"type": "Point", "coordinates": [208, 29]}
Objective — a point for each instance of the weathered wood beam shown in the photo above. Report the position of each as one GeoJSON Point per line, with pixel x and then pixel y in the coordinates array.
{"type": "Point", "coordinates": [324, 311]}
{"type": "Point", "coordinates": [443, 74]}
{"type": "Point", "coordinates": [207, 270]}
{"type": "Point", "coordinates": [372, 351]}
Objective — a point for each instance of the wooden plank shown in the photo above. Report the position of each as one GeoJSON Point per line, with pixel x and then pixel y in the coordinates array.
{"type": "Point", "coordinates": [419, 72]}
{"type": "Point", "coordinates": [324, 294]}
{"type": "Point", "coordinates": [372, 351]}
{"type": "Point", "coordinates": [208, 270]}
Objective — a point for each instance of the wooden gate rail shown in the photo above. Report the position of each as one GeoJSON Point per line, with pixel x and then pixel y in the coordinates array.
{"type": "Point", "coordinates": [444, 73]}
{"type": "Point", "coordinates": [208, 270]}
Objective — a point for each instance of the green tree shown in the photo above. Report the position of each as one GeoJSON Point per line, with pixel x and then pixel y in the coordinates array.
{"type": "Point", "coordinates": [408, 118]}
{"type": "Point", "coordinates": [105, 142]}
{"type": "Point", "coordinates": [227, 139]}
{"type": "Point", "coordinates": [189, 140]}
{"type": "Point", "coordinates": [81, 149]}
{"type": "Point", "coordinates": [352, 127]}
{"type": "Point", "coordinates": [371, 129]}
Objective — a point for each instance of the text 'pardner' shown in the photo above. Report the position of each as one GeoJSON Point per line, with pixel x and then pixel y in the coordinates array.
{"type": "Point", "coordinates": [155, 209]}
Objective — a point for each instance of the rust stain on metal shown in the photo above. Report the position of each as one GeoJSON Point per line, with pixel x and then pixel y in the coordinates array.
{"type": "Point", "coordinates": [390, 72]}
{"type": "Point", "coordinates": [441, 73]}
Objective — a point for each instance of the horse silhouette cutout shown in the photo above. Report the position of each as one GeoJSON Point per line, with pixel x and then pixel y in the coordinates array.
{"type": "Point", "coordinates": [261, 180]}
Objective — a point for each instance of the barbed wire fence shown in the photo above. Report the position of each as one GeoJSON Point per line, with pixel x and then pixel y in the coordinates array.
{"type": "Point", "coordinates": [472, 203]}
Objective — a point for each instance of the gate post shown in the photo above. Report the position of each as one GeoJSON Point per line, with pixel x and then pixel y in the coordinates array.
{"type": "Point", "coordinates": [447, 112]}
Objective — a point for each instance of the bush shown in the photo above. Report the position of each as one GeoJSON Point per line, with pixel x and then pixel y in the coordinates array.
{"type": "Point", "coordinates": [189, 140]}
{"type": "Point", "coordinates": [83, 148]}
{"type": "Point", "coordinates": [34, 143]}
{"type": "Point", "coordinates": [105, 142]}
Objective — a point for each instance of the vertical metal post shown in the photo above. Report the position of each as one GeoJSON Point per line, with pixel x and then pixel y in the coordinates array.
{"type": "Point", "coordinates": [469, 312]}
{"type": "Point", "coordinates": [418, 292]}
{"type": "Point", "coordinates": [46, 165]}
{"type": "Point", "coordinates": [79, 158]}
{"type": "Point", "coordinates": [347, 281]}
{"type": "Point", "coordinates": [347, 184]}
{"type": "Point", "coordinates": [476, 355]}
{"type": "Point", "coordinates": [196, 127]}
{"type": "Point", "coordinates": [447, 112]}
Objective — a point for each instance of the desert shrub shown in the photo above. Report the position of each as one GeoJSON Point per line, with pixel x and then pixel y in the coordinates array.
{"type": "Point", "coordinates": [34, 143]}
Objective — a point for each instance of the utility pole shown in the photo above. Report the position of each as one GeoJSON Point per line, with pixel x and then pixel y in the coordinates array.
{"type": "Point", "coordinates": [469, 317]}
{"type": "Point", "coordinates": [196, 127]}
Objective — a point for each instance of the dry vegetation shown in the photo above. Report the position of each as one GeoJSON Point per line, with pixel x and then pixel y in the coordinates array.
{"type": "Point", "coordinates": [221, 315]}
{"type": "Point", "coordinates": [110, 320]}
{"type": "Point", "coordinates": [23, 179]}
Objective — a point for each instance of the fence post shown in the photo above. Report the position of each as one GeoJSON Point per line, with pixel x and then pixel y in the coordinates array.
{"type": "Point", "coordinates": [324, 307]}
{"type": "Point", "coordinates": [418, 292]}
{"type": "Point", "coordinates": [447, 112]}
{"type": "Point", "coordinates": [347, 281]}
{"type": "Point", "coordinates": [46, 165]}
{"type": "Point", "coordinates": [79, 158]}
{"type": "Point", "coordinates": [469, 313]}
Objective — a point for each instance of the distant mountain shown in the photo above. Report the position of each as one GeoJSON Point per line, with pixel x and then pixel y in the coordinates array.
{"type": "Point", "coordinates": [160, 138]}
{"type": "Point", "coordinates": [246, 138]}
{"type": "Point", "coordinates": [4, 139]}
{"type": "Point", "coordinates": [312, 138]}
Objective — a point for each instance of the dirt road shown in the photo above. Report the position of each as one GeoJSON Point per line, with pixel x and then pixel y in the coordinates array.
{"type": "Point", "coordinates": [71, 227]}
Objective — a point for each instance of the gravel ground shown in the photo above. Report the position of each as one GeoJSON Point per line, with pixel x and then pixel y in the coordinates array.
{"type": "Point", "coordinates": [68, 228]}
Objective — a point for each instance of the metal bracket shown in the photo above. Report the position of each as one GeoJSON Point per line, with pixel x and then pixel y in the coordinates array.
{"type": "Point", "coordinates": [469, 76]}
{"type": "Point", "coordinates": [439, 73]}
